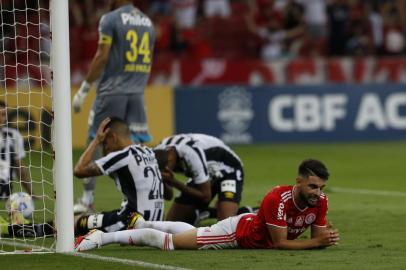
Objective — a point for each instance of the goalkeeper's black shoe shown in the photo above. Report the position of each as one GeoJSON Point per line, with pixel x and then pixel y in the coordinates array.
{"type": "Point", "coordinates": [31, 230]}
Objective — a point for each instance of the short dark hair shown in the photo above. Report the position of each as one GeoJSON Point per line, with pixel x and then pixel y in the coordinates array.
{"type": "Point", "coordinates": [314, 167]}
{"type": "Point", "coordinates": [119, 126]}
{"type": "Point", "coordinates": [3, 104]}
{"type": "Point", "coordinates": [161, 156]}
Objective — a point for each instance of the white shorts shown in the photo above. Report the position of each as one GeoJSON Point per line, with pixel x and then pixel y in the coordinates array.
{"type": "Point", "coordinates": [221, 235]}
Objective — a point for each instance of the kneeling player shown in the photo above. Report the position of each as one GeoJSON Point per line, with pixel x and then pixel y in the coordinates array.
{"type": "Point", "coordinates": [214, 170]}
{"type": "Point", "coordinates": [135, 172]}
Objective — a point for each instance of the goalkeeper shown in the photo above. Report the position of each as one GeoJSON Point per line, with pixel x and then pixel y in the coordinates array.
{"type": "Point", "coordinates": [122, 64]}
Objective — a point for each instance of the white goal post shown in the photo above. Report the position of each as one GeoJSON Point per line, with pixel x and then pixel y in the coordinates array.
{"type": "Point", "coordinates": [63, 176]}
{"type": "Point", "coordinates": [35, 86]}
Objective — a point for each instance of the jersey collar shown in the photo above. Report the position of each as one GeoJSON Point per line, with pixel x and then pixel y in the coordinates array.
{"type": "Point", "coordinates": [293, 199]}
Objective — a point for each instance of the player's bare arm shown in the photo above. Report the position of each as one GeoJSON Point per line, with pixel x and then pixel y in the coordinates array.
{"type": "Point", "coordinates": [96, 67]}
{"type": "Point", "coordinates": [90, 169]}
{"type": "Point", "coordinates": [201, 191]}
{"type": "Point", "coordinates": [226, 209]}
{"type": "Point", "coordinates": [86, 166]}
{"type": "Point", "coordinates": [99, 61]}
{"type": "Point", "coordinates": [168, 192]}
{"type": "Point", "coordinates": [325, 238]}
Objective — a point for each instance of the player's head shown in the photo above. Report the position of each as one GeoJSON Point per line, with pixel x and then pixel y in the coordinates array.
{"type": "Point", "coordinates": [161, 156]}
{"type": "Point", "coordinates": [165, 158]}
{"type": "Point", "coordinates": [117, 137]}
{"type": "Point", "coordinates": [113, 4]}
{"type": "Point", "coordinates": [3, 113]}
{"type": "Point", "coordinates": [311, 180]}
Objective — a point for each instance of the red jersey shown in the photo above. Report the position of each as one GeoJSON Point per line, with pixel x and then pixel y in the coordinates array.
{"type": "Point", "coordinates": [279, 209]}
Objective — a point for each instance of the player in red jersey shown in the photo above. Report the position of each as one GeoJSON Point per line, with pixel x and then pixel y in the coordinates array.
{"type": "Point", "coordinates": [285, 213]}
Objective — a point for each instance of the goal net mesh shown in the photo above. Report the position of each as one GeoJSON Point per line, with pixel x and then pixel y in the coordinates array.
{"type": "Point", "coordinates": [25, 88]}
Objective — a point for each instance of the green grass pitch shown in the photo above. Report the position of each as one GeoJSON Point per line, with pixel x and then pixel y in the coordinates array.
{"type": "Point", "coordinates": [372, 226]}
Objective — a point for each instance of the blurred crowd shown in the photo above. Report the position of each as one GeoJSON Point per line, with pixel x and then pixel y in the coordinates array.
{"type": "Point", "coordinates": [229, 29]}
{"type": "Point", "coordinates": [262, 29]}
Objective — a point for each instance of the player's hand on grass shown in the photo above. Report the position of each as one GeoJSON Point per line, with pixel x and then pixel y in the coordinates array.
{"type": "Point", "coordinates": [333, 232]}
{"type": "Point", "coordinates": [80, 96]}
{"type": "Point", "coordinates": [329, 237]}
{"type": "Point", "coordinates": [102, 130]}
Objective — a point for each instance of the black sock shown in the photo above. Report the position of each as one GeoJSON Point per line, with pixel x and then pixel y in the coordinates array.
{"type": "Point", "coordinates": [247, 209]}
{"type": "Point", "coordinates": [241, 210]}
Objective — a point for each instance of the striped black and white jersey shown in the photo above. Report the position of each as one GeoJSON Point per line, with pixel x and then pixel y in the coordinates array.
{"type": "Point", "coordinates": [11, 149]}
{"type": "Point", "coordinates": [136, 174]}
{"type": "Point", "coordinates": [202, 157]}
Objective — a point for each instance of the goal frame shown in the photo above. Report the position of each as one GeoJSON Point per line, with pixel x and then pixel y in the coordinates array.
{"type": "Point", "coordinates": [62, 124]}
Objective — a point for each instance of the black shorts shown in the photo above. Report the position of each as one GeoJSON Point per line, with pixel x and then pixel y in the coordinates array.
{"type": "Point", "coordinates": [5, 190]}
{"type": "Point", "coordinates": [130, 108]}
{"type": "Point", "coordinates": [116, 220]}
{"type": "Point", "coordinates": [227, 188]}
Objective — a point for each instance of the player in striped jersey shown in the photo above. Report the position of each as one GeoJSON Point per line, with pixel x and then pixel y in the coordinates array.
{"type": "Point", "coordinates": [11, 154]}
{"type": "Point", "coordinates": [134, 170]}
{"type": "Point", "coordinates": [213, 168]}
{"type": "Point", "coordinates": [285, 213]}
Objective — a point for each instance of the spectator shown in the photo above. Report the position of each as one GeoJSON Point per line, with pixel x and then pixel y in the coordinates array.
{"type": "Point", "coordinates": [338, 17]}
{"type": "Point", "coordinates": [294, 22]}
{"type": "Point", "coordinates": [75, 14]}
{"type": "Point", "coordinates": [275, 40]}
{"type": "Point", "coordinates": [159, 7]}
{"type": "Point", "coordinates": [401, 6]}
{"type": "Point", "coordinates": [394, 40]}
{"type": "Point", "coordinates": [376, 23]}
{"type": "Point", "coordinates": [359, 42]}
{"type": "Point", "coordinates": [315, 17]}
{"type": "Point", "coordinates": [217, 8]}
{"type": "Point", "coordinates": [185, 13]}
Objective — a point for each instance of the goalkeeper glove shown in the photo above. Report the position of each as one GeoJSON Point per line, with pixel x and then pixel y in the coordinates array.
{"type": "Point", "coordinates": [80, 96]}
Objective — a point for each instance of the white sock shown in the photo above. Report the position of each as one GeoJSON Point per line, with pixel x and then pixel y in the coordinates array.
{"type": "Point", "coordinates": [172, 227]}
{"type": "Point", "coordinates": [140, 237]}
{"type": "Point", "coordinates": [87, 197]}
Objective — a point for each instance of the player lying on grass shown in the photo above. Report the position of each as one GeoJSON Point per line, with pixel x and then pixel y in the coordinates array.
{"type": "Point", "coordinates": [285, 213]}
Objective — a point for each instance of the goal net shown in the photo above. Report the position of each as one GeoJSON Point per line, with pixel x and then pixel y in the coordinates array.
{"type": "Point", "coordinates": [28, 133]}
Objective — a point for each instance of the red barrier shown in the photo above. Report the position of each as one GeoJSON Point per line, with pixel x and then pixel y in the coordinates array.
{"type": "Point", "coordinates": [301, 71]}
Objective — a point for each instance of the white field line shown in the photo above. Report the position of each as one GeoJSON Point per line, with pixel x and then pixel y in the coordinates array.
{"type": "Point", "coordinates": [126, 261]}
{"type": "Point", "coordinates": [30, 249]}
{"type": "Point", "coordinates": [369, 192]}
{"type": "Point", "coordinates": [90, 256]}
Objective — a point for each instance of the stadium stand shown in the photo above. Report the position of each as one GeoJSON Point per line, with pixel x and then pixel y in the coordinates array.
{"type": "Point", "coordinates": [258, 33]}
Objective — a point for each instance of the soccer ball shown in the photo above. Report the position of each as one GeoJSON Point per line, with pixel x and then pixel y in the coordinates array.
{"type": "Point", "coordinates": [20, 202]}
